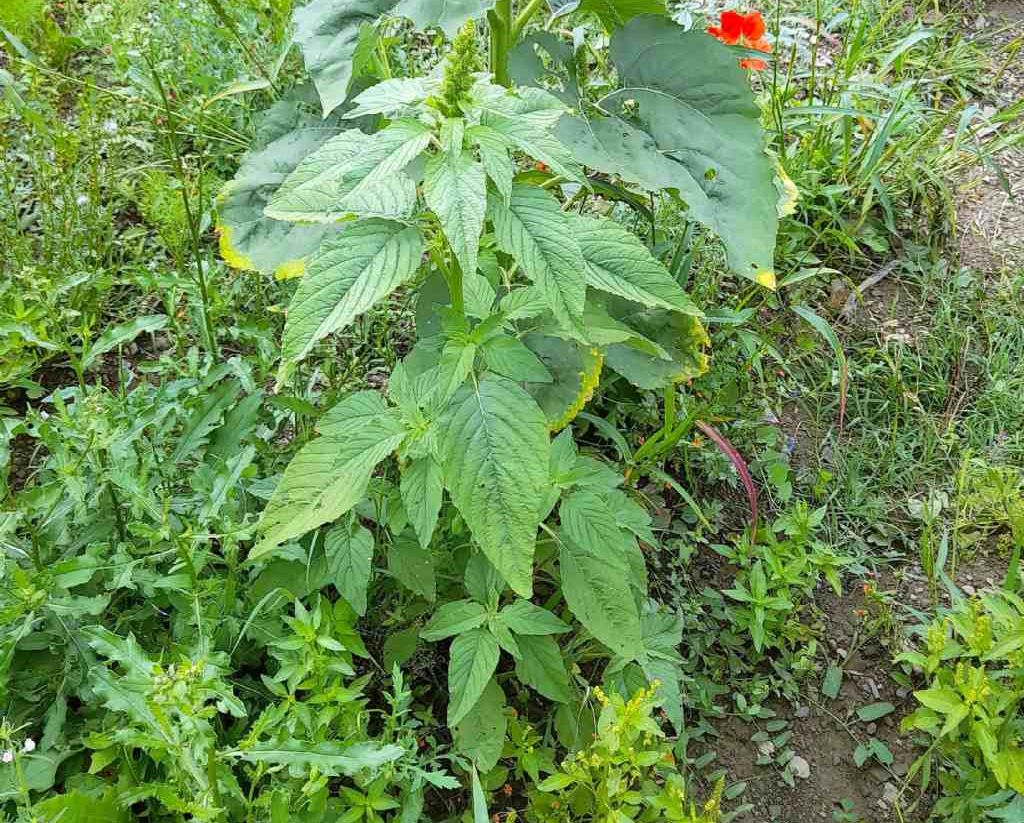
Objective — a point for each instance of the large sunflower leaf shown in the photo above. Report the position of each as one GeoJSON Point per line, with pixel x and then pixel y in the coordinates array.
{"type": "Point", "coordinates": [534, 230]}
{"type": "Point", "coordinates": [693, 128]}
{"type": "Point", "coordinates": [353, 174]}
{"type": "Point", "coordinates": [347, 276]}
{"type": "Point", "coordinates": [495, 454]}
{"type": "Point", "coordinates": [329, 474]}
{"type": "Point", "coordinates": [327, 31]}
{"type": "Point", "coordinates": [618, 263]}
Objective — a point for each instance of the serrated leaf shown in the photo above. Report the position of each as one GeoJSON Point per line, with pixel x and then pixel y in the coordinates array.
{"type": "Point", "coordinates": [393, 96]}
{"type": "Point", "coordinates": [454, 367]}
{"type": "Point", "coordinates": [541, 667]}
{"type": "Point", "coordinates": [681, 336]}
{"type": "Point", "coordinates": [413, 565]}
{"type": "Point", "coordinates": [77, 807]}
{"type": "Point", "coordinates": [509, 356]}
{"type": "Point", "coordinates": [618, 263]}
{"type": "Point", "coordinates": [473, 657]}
{"type": "Point", "coordinates": [348, 275]}
{"type": "Point", "coordinates": [422, 489]}
{"type": "Point", "coordinates": [524, 617]}
{"type": "Point", "coordinates": [329, 475]}
{"type": "Point", "coordinates": [575, 371]}
{"type": "Point", "coordinates": [533, 229]}
{"type": "Point", "coordinates": [494, 447]}
{"type": "Point", "coordinates": [349, 550]}
{"type": "Point", "coordinates": [205, 419]}
{"type": "Point", "coordinates": [694, 128]}
{"type": "Point", "coordinates": [596, 574]}
{"type": "Point", "coordinates": [453, 618]}
{"type": "Point", "coordinates": [455, 189]}
{"type": "Point", "coordinates": [494, 157]}
{"type": "Point", "coordinates": [353, 174]}
{"type": "Point", "coordinates": [481, 734]}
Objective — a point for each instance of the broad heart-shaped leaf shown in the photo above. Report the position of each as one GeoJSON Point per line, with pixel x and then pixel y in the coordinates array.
{"type": "Point", "coordinates": [349, 550]}
{"type": "Point", "coordinates": [494, 447]}
{"type": "Point", "coordinates": [329, 475]}
{"type": "Point", "coordinates": [575, 371]}
{"type": "Point", "coordinates": [533, 229]}
{"type": "Point", "coordinates": [248, 239]}
{"type": "Point", "coordinates": [618, 263]}
{"type": "Point", "coordinates": [681, 336]}
{"type": "Point", "coordinates": [328, 30]}
{"type": "Point", "coordinates": [455, 189]}
{"type": "Point", "coordinates": [473, 657]}
{"type": "Point", "coordinates": [696, 131]}
{"type": "Point", "coordinates": [353, 173]}
{"type": "Point", "coordinates": [541, 667]}
{"type": "Point", "coordinates": [347, 276]}
{"type": "Point", "coordinates": [481, 734]}
{"type": "Point", "coordinates": [422, 488]}
{"type": "Point", "coordinates": [596, 573]}
{"type": "Point", "coordinates": [615, 13]}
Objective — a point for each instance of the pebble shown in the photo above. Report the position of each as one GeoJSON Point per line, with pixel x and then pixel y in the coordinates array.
{"type": "Point", "coordinates": [766, 747]}
{"type": "Point", "coordinates": [969, 590]}
{"type": "Point", "coordinates": [890, 794]}
{"type": "Point", "coordinates": [837, 759]}
{"type": "Point", "coordinates": [802, 711]}
{"type": "Point", "coordinates": [871, 728]}
{"type": "Point", "coordinates": [800, 767]}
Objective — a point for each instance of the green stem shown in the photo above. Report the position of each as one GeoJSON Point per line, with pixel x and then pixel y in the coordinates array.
{"type": "Point", "coordinates": [500, 21]}
{"type": "Point", "coordinates": [670, 407]}
{"type": "Point", "coordinates": [524, 17]}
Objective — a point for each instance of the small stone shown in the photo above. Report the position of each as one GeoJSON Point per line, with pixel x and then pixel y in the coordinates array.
{"type": "Point", "coordinates": [802, 712]}
{"type": "Point", "coordinates": [890, 794]}
{"type": "Point", "coordinates": [969, 590]}
{"type": "Point", "coordinates": [880, 774]}
{"type": "Point", "coordinates": [871, 728]}
{"type": "Point", "coordinates": [841, 652]}
{"type": "Point", "coordinates": [766, 747]}
{"type": "Point", "coordinates": [800, 767]}
{"type": "Point", "coordinates": [837, 759]}
{"type": "Point", "coordinates": [902, 692]}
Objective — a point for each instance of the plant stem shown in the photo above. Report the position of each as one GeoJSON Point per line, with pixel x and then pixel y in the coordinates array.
{"type": "Point", "coordinates": [500, 21]}
{"type": "Point", "coordinates": [524, 17]}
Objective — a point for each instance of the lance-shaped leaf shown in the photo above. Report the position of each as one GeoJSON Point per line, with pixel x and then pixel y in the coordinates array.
{"type": "Point", "coordinates": [541, 667]}
{"type": "Point", "coordinates": [455, 188]}
{"type": "Point", "coordinates": [328, 31]}
{"type": "Point", "coordinates": [694, 129]}
{"type": "Point", "coordinates": [347, 276]}
{"type": "Point", "coordinates": [495, 454]}
{"type": "Point", "coordinates": [328, 757]}
{"type": "Point", "coordinates": [495, 158]}
{"type": "Point", "coordinates": [329, 475]}
{"type": "Point", "coordinates": [422, 488]}
{"type": "Point", "coordinates": [596, 573]}
{"type": "Point", "coordinates": [618, 263]}
{"type": "Point", "coordinates": [481, 734]}
{"type": "Point", "coordinates": [473, 657]}
{"type": "Point", "coordinates": [533, 229]}
{"type": "Point", "coordinates": [353, 174]}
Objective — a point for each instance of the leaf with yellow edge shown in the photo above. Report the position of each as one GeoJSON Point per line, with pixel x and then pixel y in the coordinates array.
{"type": "Point", "coordinates": [576, 371]}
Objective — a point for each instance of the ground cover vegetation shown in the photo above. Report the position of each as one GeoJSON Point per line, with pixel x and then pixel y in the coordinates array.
{"type": "Point", "coordinates": [595, 411]}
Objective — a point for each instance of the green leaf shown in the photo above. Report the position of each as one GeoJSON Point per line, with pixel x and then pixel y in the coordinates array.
{"type": "Point", "coordinates": [575, 371]}
{"type": "Point", "coordinates": [533, 229]}
{"type": "Point", "coordinates": [119, 335]}
{"type": "Point", "coordinates": [875, 711]}
{"type": "Point", "coordinates": [348, 275]}
{"type": "Point", "coordinates": [615, 13]}
{"type": "Point", "coordinates": [205, 419]}
{"type": "Point", "coordinates": [328, 31]}
{"type": "Point", "coordinates": [833, 681]}
{"type": "Point", "coordinates": [494, 157]}
{"type": "Point", "coordinates": [942, 699]}
{"type": "Point", "coordinates": [78, 807]}
{"type": "Point", "coordinates": [494, 447]}
{"type": "Point", "coordinates": [422, 488]}
{"type": "Point", "coordinates": [681, 336]}
{"type": "Point", "coordinates": [480, 812]}
{"type": "Point", "coordinates": [822, 327]}
{"type": "Point", "coordinates": [455, 366]}
{"type": "Point", "coordinates": [541, 667]}
{"type": "Point", "coordinates": [618, 263]}
{"type": "Point", "coordinates": [508, 356]}
{"type": "Point", "coordinates": [329, 758]}
{"type": "Point", "coordinates": [413, 565]}
{"type": "Point", "coordinates": [393, 97]}
{"type": "Point", "coordinates": [694, 128]}
{"type": "Point", "coordinates": [349, 550]}
{"type": "Point", "coordinates": [473, 657]}
{"type": "Point", "coordinates": [248, 239]}
{"type": "Point", "coordinates": [455, 189]}
{"type": "Point", "coordinates": [596, 573]}
{"type": "Point", "coordinates": [353, 174]}
{"type": "Point", "coordinates": [329, 475]}
{"type": "Point", "coordinates": [524, 617]}
{"type": "Point", "coordinates": [481, 734]}
{"type": "Point", "coordinates": [453, 618]}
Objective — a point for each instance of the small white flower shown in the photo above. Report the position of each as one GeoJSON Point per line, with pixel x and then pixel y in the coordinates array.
{"type": "Point", "coordinates": [110, 125]}
{"type": "Point", "coordinates": [82, 199]}
{"type": "Point", "coordinates": [7, 756]}
{"type": "Point", "coordinates": [30, 745]}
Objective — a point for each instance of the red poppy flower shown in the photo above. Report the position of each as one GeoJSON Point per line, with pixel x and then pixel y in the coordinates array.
{"type": "Point", "coordinates": [735, 29]}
